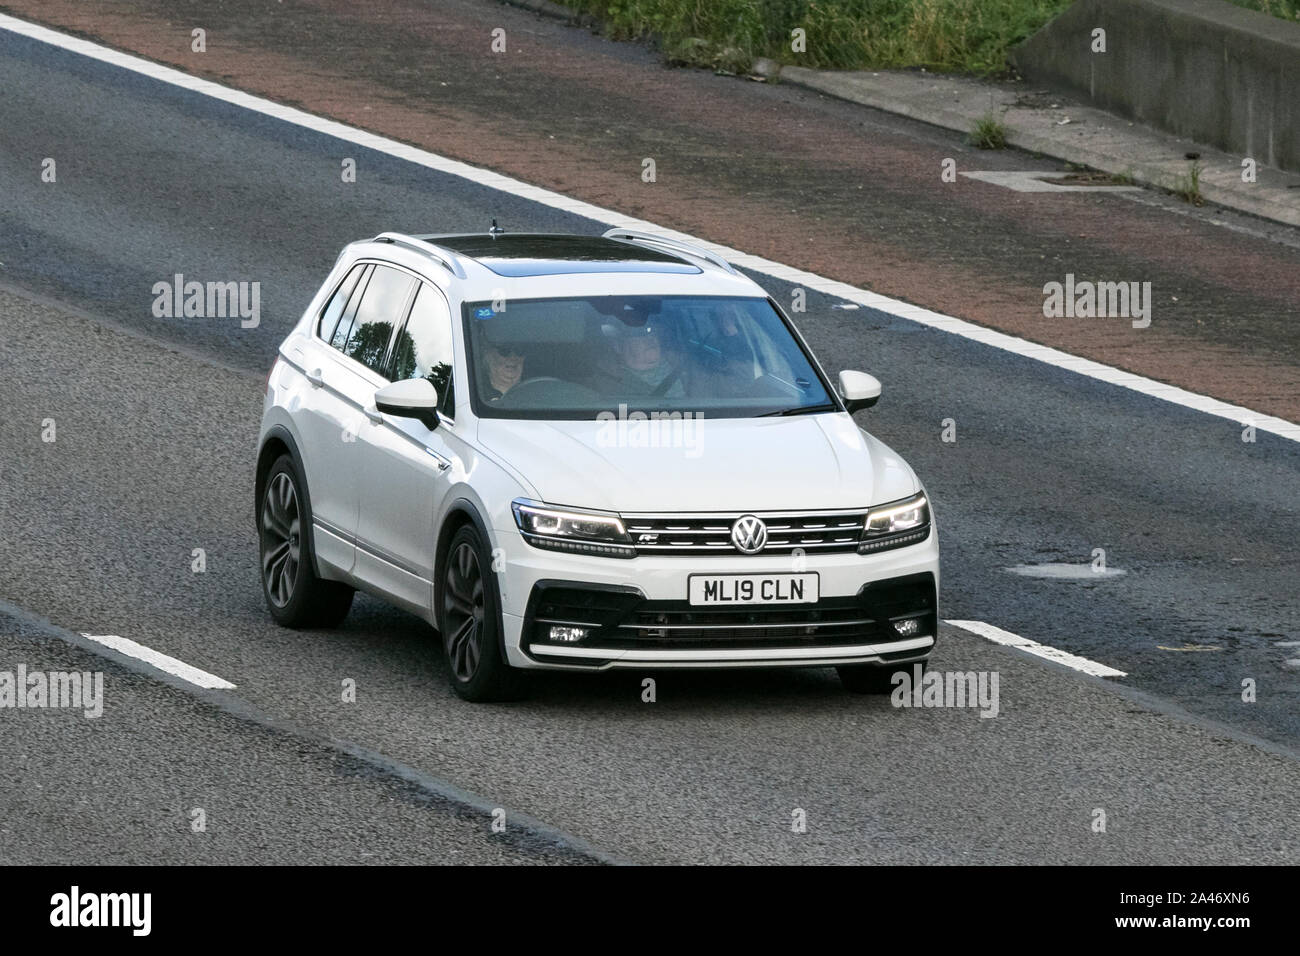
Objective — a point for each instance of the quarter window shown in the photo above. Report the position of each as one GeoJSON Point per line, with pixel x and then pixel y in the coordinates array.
{"type": "Point", "coordinates": [329, 317]}
{"type": "Point", "coordinates": [424, 349]}
{"type": "Point", "coordinates": [341, 330]}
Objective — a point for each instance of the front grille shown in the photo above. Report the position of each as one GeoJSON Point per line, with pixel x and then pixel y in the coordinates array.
{"type": "Point", "coordinates": [820, 532]}
{"type": "Point", "coordinates": [621, 618]}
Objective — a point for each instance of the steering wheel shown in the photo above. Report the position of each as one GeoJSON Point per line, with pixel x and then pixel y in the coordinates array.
{"type": "Point", "coordinates": [546, 389]}
{"type": "Point", "coordinates": [537, 378]}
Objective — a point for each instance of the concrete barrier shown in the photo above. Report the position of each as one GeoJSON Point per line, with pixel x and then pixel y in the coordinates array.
{"type": "Point", "coordinates": [1203, 69]}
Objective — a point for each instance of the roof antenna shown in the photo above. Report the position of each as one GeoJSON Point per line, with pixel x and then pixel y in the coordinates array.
{"type": "Point", "coordinates": [495, 230]}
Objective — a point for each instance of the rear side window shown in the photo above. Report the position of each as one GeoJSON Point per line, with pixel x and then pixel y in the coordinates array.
{"type": "Point", "coordinates": [423, 348]}
{"type": "Point", "coordinates": [382, 305]}
{"type": "Point", "coordinates": [329, 317]}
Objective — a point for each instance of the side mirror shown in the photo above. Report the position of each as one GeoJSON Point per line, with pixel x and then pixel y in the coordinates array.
{"type": "Point", "coordinates": [859, 390]}
{"type": "Point", "coordinates": [411, 398]}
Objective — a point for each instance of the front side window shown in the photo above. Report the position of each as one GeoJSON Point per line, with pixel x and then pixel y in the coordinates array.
{"type": "Point", "coordinates": [424, 348]}
{"type": "Point", "coordinates": [382, 305]}
{"type": "Point", "coordinates": [575, 358]}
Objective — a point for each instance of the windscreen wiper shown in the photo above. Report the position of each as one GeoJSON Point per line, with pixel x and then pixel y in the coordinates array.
{"type": "Point", "coordinates": [800, 410]}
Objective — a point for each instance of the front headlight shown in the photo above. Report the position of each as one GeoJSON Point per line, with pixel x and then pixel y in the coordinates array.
{"type": "Point", "coordinates": [896, 524]}
{"type": "Point", "coordinates": [573, 530]}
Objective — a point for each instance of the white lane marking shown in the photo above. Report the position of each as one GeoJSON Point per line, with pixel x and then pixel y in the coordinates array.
{"type": "Point", "coordinates": [999, 636]}
{"type": "Point", "coordinates": [1033, 182]}
{"type": "Point", "coordinates": [1066, 572]}
{"type": "Point", "coordinates": [161, 661]}
{"type": "Point", "coordinates": [831, 287]}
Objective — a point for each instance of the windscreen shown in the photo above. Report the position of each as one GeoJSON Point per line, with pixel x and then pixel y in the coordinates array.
{"type": "Point", "coordinates": [574, 358]}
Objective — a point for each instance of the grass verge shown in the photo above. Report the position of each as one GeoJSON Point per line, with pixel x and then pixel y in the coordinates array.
{"type": "Point", "coordinates": [956, 36]}
{"type": "Point", "coordinates": [1282, 9]}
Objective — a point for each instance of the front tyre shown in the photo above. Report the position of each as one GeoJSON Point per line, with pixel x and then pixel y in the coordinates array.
{"type": "Point", "coordinates": [295, 596]}
{"type": "Point", "coordinates": [469, 619]}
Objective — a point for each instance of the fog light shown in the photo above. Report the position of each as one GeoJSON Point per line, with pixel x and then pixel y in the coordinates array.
{"type": "Point", "coordinates": [568, 635]}
{"type": "Point", "coordinates": [904, 628]}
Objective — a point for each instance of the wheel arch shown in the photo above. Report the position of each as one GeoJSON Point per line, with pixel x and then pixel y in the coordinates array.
{"type": "Point", "coordinates": [463, 512]}
{"type": "Point", "coordinates": [276, 442]}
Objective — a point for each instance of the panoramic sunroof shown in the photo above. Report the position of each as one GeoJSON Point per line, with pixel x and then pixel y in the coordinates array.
{"type": "Point", "coordinates": [523, 255]}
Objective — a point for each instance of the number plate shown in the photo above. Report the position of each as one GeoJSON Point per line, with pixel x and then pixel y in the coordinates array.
{"type": "Point", "coordinates": [724, 589]}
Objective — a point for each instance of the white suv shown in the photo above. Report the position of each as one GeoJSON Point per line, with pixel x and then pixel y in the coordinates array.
{"type": "Point", "coordinates": [582, 453]}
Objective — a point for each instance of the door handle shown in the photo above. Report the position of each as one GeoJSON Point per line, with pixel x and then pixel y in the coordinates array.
{"type": "Point", "coordinates": [316, 378]}
{"type": "Point", "coordinates": [375, 416]}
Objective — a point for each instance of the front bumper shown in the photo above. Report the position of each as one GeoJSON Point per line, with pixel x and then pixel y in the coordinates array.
{"type": "Point", "coordinates": [637, 614]}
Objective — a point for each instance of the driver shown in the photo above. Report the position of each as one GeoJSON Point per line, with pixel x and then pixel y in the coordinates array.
{"type": "Point", "coordinates": [505, 367]}
{"type": "Point", "coordinates": [500, 358]}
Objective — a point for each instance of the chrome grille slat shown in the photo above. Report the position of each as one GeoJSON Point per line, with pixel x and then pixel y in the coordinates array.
{"type": "Point", "coordinates": [726, 546]}
{"type": "Point", "coordinates": [811, 625]}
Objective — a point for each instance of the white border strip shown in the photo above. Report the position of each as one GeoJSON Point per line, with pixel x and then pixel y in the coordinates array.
{"type": "Point", "coordinates": [164, 663]}
{"type": "Point", "coordinates": [743, 654]}
{"type": "Point", "coordinates": [483, 177]}
{"type": "Point", "coordinates": [999, 636]}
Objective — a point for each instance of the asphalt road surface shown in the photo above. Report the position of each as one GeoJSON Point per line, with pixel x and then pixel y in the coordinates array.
{"type": "Point", "coordinates": [156, 422]}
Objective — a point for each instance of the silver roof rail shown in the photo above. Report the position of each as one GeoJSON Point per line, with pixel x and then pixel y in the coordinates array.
{"type": "Point", "coordinates": [444, 256]}
{"type": "Point", "coordinates": [675, 245]}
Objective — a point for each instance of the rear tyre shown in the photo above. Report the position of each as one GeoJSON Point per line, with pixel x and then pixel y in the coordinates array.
{"type": "Point", "coordinates": [294, 594]}
{"type": "Point", "coordinates": [874, 678]}
{"type": "Point", "coordinates": [469, 620]}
